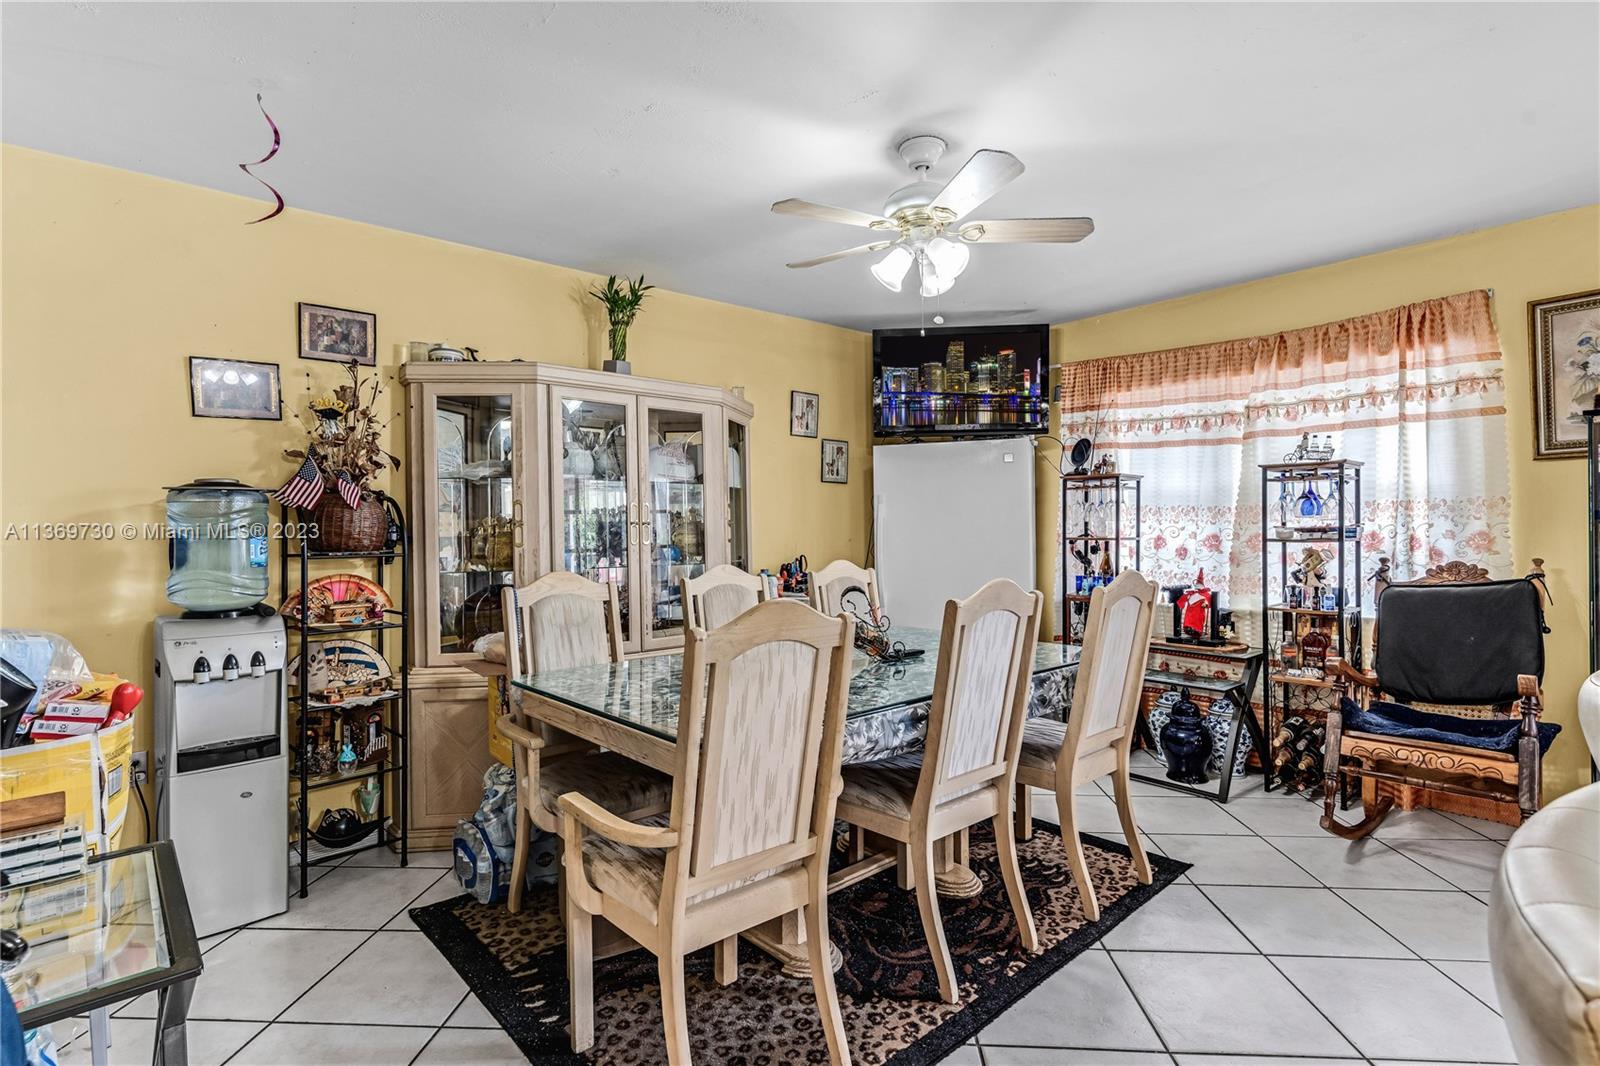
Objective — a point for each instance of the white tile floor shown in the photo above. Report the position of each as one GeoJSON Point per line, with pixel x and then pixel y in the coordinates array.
{"type": "Point", "coordinates": [1282, 945]}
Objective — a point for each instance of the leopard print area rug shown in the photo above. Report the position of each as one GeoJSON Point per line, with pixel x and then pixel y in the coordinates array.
{"type": "Point", "coordinates": [516, 964]}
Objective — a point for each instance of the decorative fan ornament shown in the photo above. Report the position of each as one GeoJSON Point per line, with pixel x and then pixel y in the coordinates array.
{"type": "Point", "coordinates": [339, 599]}
{"type": "Point", "coordinates": [923, 223]}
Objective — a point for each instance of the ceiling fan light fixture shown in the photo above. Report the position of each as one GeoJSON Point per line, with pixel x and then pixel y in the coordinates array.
{"type": "Point", "coordinates": [891, 269]}
{"type": "Point", "coordinates": [949, 257]}
{"type": "Point", "coordinates": [934, 281]}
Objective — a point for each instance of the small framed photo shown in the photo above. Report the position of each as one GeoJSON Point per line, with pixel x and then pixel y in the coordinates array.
{"type": "Point", "coordinates": [835, 461]}
{"type": "Point", "coordinates": [234, 388]}
{"type": "Point", "coordinates": [803, 408]}
{"type": "Point", "coordinates": [335, 335]}
{"type": "Point", "coordinates": [1564, 341]}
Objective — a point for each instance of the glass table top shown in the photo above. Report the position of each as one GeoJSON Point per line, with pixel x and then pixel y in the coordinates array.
{"type": "Point", "coordinates": [643, 693]}
{"type": "Point", "coordinates": [106, 932]}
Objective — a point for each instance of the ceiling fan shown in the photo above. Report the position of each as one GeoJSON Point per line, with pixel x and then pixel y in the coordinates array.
{"type": "Point", "coordinates": [923, 223]}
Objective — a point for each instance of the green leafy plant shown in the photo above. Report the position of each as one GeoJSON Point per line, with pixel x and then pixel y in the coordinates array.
{"type": "Point", "coordinates": [622, 304]}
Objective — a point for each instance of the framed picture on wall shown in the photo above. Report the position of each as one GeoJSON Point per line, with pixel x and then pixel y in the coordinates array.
{"type": "Point", "coordinates": [803, 413]}
{"type": "Point", "coordinates": [335, 335]}
{"type": "Point", "coordinates": [234, 388]}
{"type": "Point", "coordinates": [835, 461]}
{"type": "Point", "coordinates": [1564, 342]}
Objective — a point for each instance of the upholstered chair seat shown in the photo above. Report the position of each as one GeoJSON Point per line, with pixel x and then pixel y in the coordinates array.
{"type": "Point", "coordinates": [615, 782]}
{"type": "Point", "coordinates": [1042, 740]}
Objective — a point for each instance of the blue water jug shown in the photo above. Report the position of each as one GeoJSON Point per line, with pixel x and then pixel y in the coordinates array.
{"type": "Point", "coordinates": [217, 546]}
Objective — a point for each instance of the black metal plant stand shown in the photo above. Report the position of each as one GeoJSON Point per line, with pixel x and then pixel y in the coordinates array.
{"type": "Point", "coordinates": [1080, 492]}
{"type": "Point", "coordinates": [385, 829]}
{"type": "Point", "coordinates": [1283, 526]}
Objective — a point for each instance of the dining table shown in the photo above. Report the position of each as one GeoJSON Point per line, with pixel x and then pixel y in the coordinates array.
{"type": "Point", "coordinates": [631, 708]}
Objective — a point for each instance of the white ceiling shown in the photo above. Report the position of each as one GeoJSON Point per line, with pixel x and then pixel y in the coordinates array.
{"type": "Point", "coordinates": [1211, 143]}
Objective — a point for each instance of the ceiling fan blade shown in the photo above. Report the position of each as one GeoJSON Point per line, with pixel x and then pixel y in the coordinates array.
{"type": "Point", "coordinates": [1026, 230]}
{"type": "Point", "coordinates": [824, 213]}
{"type": "Point", "coordinates": [986, 173]}
{"type": "Point", "coordinates": [860, 249]}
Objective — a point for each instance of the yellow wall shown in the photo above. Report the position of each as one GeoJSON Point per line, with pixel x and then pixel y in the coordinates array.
{"type": "Point", "coordinates": [112, 279]}
{"type": "Point", "coordinates": [1542, 257]}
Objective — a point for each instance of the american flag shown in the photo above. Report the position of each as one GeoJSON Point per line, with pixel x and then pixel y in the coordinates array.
{"type": "Point", "coordinates": [349, 491]}
{"type": "Point", "coordinates": [302, 490]}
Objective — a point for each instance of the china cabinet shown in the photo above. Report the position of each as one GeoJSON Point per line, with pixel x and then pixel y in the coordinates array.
{"type": "Point", "coordinates": [517, 469]}
{"type": "Point", "coordinates": [1101, 533]}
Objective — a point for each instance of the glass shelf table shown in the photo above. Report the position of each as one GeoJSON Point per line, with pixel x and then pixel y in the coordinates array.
{"type": "Point", "coordinates": [117, 930]}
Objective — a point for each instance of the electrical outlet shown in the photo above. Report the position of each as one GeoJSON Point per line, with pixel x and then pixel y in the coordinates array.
{"type": "Point", "coordinates": [141, 767]}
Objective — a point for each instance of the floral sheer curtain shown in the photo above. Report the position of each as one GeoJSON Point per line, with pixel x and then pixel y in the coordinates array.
{"type": "Point", "coordinates": [1416, 393]}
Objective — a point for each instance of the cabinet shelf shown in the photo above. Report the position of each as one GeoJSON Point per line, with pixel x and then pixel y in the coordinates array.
{"type": "Point", "coordinates": [324, 632]}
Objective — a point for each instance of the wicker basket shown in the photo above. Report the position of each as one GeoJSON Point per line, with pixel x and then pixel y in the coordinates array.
{"type": "Point", "coordinates": [342, 528]}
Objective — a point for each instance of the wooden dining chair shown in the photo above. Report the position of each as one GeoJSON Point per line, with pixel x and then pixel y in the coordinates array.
{"type": "Point", "coordinates": [760, 735]}
{"type": "Point", "coordinates": [720, 595]}
{"type": "Point", "coordinates": [969, 762]}
{"type": "Point", "coordinates": [828, 586]}
{"type": "Point", "coordinates": [1097, 737]}
{"type": "Point", "coordinates": [560, 621]}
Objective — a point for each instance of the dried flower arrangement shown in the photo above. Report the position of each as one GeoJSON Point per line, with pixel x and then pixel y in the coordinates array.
{"type": "Point", "coordinates": [337, 465]}
{"type": "Point", "coordinates": [345, 440]}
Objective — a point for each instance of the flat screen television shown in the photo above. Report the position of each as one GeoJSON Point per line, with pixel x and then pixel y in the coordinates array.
{"type": "Point", "coordinates": [961, 381]}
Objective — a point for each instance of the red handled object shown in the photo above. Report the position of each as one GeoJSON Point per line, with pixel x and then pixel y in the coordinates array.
{"type": "Point", "coordinates": [124, 698]}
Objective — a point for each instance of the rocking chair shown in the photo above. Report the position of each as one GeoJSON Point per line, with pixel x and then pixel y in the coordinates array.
{"type": "Point", "coordinates": [1457, 661]}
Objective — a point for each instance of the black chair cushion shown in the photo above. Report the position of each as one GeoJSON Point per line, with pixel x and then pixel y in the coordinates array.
{"type": "Point", "coordinates": [1407, 723]}
{"type": "Point", "coordinates": [1459, 643]}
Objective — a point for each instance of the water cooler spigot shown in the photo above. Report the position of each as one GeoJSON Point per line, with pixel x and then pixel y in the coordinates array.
{"type": "Point", "coordinates": [230, 668]}
{"type": "Point", "coordinates": [258, 665]}
{"type": "Point", "coordinates": [202, 670]}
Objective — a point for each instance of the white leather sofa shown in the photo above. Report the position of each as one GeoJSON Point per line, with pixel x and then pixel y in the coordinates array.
{"type": "Point", "coordinates": [1544, 927]}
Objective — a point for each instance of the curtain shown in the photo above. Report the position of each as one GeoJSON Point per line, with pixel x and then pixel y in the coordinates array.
{"type": "Point", "coordinates": [1415, 393]}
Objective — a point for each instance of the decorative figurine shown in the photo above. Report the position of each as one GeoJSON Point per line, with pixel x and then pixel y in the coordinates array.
{"type": "Point", "coordinates": [347, 755]}
{"type": "Point", "coordinates": [1310, 577]}
{"type": "Point", "coordinates": [367, 798]}
{"type": "Point", "coordinates": [1186, 743]}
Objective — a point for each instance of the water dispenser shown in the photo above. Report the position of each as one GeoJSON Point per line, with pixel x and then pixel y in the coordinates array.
{"type": "Point", "coordinates": [217, 547]}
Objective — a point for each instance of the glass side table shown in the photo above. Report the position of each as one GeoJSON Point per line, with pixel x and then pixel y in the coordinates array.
{"type": "Point", "coordinates": [118, 930]}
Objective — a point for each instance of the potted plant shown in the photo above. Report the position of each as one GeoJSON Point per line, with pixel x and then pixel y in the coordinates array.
{"type": "Point", "coordinates": [622, 304]}
{"type": "Point", "coordinates": [337, 465]}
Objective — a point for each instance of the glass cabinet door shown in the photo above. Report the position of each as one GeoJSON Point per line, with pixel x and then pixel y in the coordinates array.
{"type": "Point", "coordinates": [738, 495]}
{"type": "Point", "coordinates": [595, 523]}
{"type": "Point", "coordinates": [477, 512]}
{"type": "Point", "coordinates": [676, 518]}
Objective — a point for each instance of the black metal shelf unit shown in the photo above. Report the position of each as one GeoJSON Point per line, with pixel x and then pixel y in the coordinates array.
{"type": "Point", "coordinates": [1095, 509]}
{"type": "Point", "coordinates": [389, 825]}
{"type": "Point", "coordinates": [1285, 523]}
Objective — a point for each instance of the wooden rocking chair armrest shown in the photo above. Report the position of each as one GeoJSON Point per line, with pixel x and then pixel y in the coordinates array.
{"type": "Point", "coordinates": [591, 815]}
{"type": "Point", "coordinates": [517, 735]}
{"type": "Point", "coordinates": [1528, 689]}
{"type": "Point", "coordinates": [1340, 670]}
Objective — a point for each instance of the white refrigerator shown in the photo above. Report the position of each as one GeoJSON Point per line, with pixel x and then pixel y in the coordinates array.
{"type": "Point", "coordinates": [947, 517]}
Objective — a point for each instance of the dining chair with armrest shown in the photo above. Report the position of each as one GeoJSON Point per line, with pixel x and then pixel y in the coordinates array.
{"type": "Point", "coordinates": [1097, 737]}
{"type": "Point", "coordinates": [559, 621]}
{"type": "Point", "coordinates": [760, 738]}
{"type": "Point", "coordinates": [969, 761]}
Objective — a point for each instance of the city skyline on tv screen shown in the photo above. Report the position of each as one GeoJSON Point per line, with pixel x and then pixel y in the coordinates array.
{"type": "Point", "coordinates": [956, 383]}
